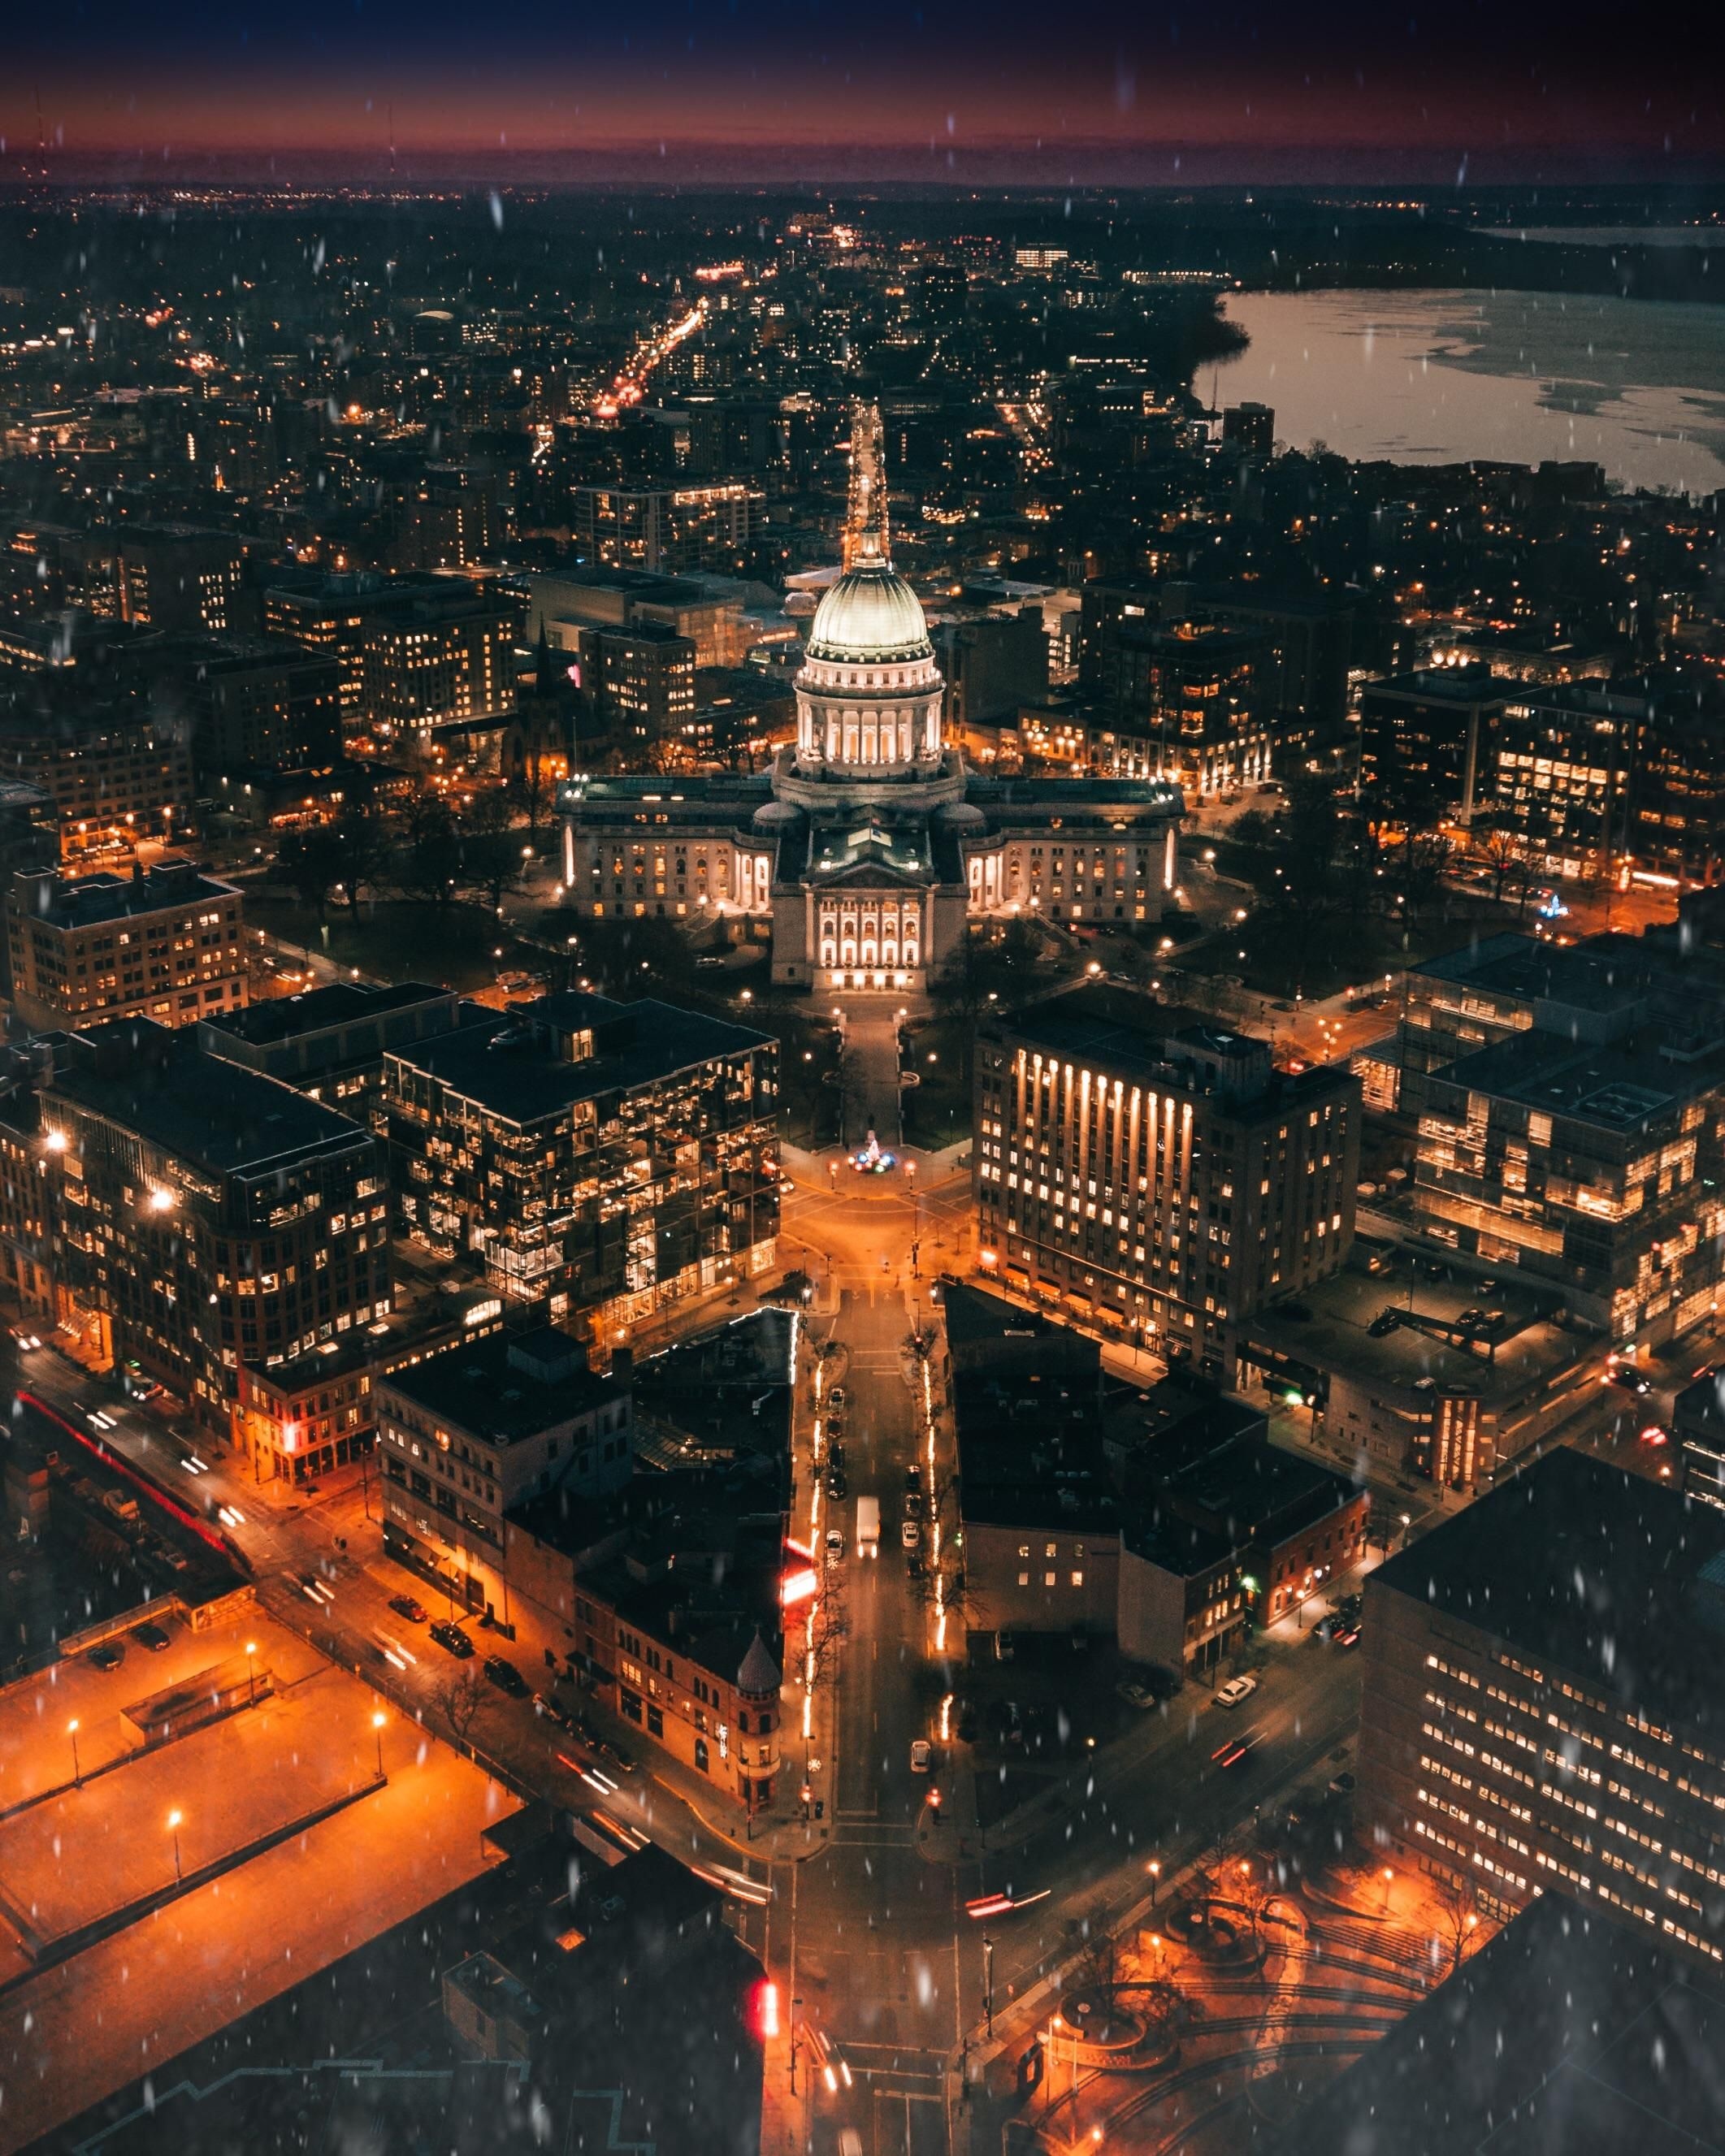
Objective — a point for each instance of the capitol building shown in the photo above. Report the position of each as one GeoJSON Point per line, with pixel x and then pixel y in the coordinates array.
{"type": "Point", "coordinates": [869, 845]}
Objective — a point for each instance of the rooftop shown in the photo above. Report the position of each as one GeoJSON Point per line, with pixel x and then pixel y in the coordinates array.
{"type": "Point", "coordinates": [521, 1065]}
{"type": "Point", "coordinates": [85, 902]}
{"type": "Point", "coordinates": [1326, 1328]}
{"type": "Point", "coordinates": [322, 1010]}
{"type": "Point", "coordinates": [195, 1107]}
{"type": "Point", "coordinates": [1622, 1086]}
{"type": "Point", "coordinates": [1135, 1034]}
{"type": "Point", "coordinates": [508, 1387]}
{"type": "Point", "coordinates": [1586, 1566]}
{"type": "Point", "coordinates": [1614, 2046]}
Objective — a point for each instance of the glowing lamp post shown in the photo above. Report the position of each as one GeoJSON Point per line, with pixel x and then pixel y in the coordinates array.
{"type": "Point", "coordinates": [174, 1818]}
{"type": "Point", "coordinates": [72, 1732]}
{"type": "Point", "coordinates": [377, 1721]}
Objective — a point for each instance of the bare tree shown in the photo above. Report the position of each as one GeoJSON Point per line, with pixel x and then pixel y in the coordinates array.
{"type": "Point", "coordinates": [1458, 1922]}
{"type": "Point", "coordinates": [1502, 851]}
{"type": "Point", "coordinates": [459, 1696]}
{"type": "Point", "coordinates": [823, 1644]}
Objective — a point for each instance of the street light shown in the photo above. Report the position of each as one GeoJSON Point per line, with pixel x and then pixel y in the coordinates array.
{"type": "Point", "coordinates": [72, 1732]}
{"type": "Point", "coordinates": [377, 1720]}
{"type": "Point", "coordinates": [174, 1819]}
{"type": "Point", "coordinates": [251, 1672]}
{"type": "Point", "coordinates": [1155, 1878]}
{"type": "Point", "coordinates": [989, 1981]}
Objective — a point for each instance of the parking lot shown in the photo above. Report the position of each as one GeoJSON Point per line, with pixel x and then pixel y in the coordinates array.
{"type": "Point", "coordinates": [72, 2030]}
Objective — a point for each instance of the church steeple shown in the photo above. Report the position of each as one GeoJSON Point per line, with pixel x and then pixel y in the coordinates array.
{"type": "Point", "coordinates": [865, 534]}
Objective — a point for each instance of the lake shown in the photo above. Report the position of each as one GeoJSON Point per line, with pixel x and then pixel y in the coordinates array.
{"type": "Point", "coordinates": [1432, 377]}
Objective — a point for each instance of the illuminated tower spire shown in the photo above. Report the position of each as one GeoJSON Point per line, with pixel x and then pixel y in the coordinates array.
{"type": "Point", "coordinates": [866, 536]}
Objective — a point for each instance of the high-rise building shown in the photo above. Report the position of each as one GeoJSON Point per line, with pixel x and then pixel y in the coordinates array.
{"type": "Point", "coordinates": [1149, 1168]}
{"type": "Point", "coordinates": [246, 702]}
{"type": "Point", "coordinates": [640, 681]}
{"type": "Point", "coordinates": [1541, 1710]}
{"type": "Point", "coordinates": [162, 943]}
{"type": "Point", "coordinates": [115, 772]}
{"type": "Point", "coordinates": [174, 577]}
{"type": "Point", "coordinates": [604, 1160]}
{"type": "Point", "coordinates": [214, 1222]}
{"type": "Point", "coordinates": [1428, 740]}
{"type": "Point", "coordinates": [711, 526]}
{"type": "Point", "coordinates": [1250, 427]}
{"type": "Point", "coordinates": [414, 651]}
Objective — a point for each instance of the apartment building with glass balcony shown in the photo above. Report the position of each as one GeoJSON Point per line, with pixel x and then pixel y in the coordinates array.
{"type": "Point", "coordinates": [1542, 1710]}
{"type": "Point", "coordinates": [602, 1160]}
{"type": "Point", "coordinates": [210, 1222]}
{"type": "Point", "coordinates": [1594, 1167]}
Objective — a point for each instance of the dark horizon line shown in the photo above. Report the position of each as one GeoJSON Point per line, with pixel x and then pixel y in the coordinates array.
{"type": "Point", "coordinates": [1459, 168]}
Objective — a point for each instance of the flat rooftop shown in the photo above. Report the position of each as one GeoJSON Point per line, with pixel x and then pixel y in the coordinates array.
{"type": "Point", "coordinates": [1620, 1086]}
{"type": "Point", "coordinates": [199, 1108]}
{"type": "Point", "coordinates": [1566, 2035]}
{"type": "Point", "coordinates": [1590, 1568]}
{"type": "Point", "coordinates": [1327, 1327]}
{"type": "Point", "coordinates": [1522, 969]}
{"type": "Point", "coordinates": [86, 901]}
{"type": "Point", "coordinates": [322, 1010]}
{"type": "Point", "coordinates": [507, 1387]}
{"type": "Point", "coordinates": [511, 1064]}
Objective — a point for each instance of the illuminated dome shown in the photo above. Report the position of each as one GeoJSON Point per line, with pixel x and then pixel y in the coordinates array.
{"type": "Point", "coordinates": [870, 614]}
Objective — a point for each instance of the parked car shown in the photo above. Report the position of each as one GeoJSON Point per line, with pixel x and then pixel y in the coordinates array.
{"type": "Point", "coordinates": [911, 1534]}
{"type": "Point", "coordinates": [1134, 1693]}
{"type": "Point", "coordinates": [837, 1487]}
{"type": "Point", "coordinates": [836, 1399]}
{"type": "Point", "coordinates": [502, 1673]}
{"type": "Point", "coordinates": [150, 1636]}
{"type": "Point", "coordinates": [921, 1755]}
{"type": "Point", "coordinates": [913, 1476]}
{"type": "Point", "coordinates": [107, 1656]}
{"type": "Point", "coordinates": [450, 1636]}
{"type": "Point", "coordinates": [1236, 1690]}
{"type": "Point", "coordinates": [836, 1544]}
{"type": "Point", "coordinates": [404, 1605]}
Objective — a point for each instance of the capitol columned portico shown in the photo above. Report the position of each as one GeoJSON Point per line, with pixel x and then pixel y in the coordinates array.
{"type": "Point", "coordinates": [868, 843]}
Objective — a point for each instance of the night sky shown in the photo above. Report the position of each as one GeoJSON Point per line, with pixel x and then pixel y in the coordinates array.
{"type": "Point", "coordinates": [1250, 85]}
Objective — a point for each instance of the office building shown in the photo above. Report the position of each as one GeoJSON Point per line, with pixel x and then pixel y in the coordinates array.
{"type": "Point", "coordinates": [116, 773]}
{"type": "Point", "coordinates": [414, 651]}
{"type": "Point", "coordinates": [1540, 1709]}
{"type": "Point", "coordinates": [1563, 766]}
{"type": "Point", "coordinates": [640, 681]}
{"type": "Point", "coordinates": [1038, 1510]}
{"type": "Point", "coordinates": [482, 1428]}
{"type": "Point", "coordinates": [712, 526]}
{"type": "Point", "coordinates": [1428, 741]}
{"type": "Point", "coordinates": [173, 577]}
{"type": "Point", "coordinates": [164, 943]}
{"type": "Point", "coordinates": [1592, 1166]}
{"type": "Point", "coordinates": [708, 610]}
{"type": "Point", "coordinates": [1251, 428]}
{"type": "Point", "coordinates": [602, 1160]}
{"type": "Point", "coordinates": [443, 658]}
{"type": "Point", "coordinates": [245, 703]}
{"type": "Point", "coordinates": [1698, 1431]}
{"type": "Point", "coordinates": [213, 1221]}
{"type": "Point", "coordinates": [1154, 1173]}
